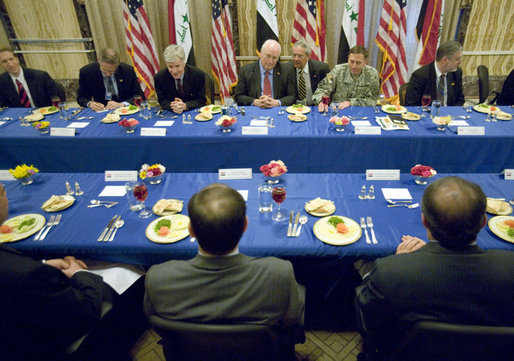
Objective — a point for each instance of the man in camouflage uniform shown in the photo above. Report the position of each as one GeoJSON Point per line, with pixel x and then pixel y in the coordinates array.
{"type": "Point", "coordinates": [350, 84]}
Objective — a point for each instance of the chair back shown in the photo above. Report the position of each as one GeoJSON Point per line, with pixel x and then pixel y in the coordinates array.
{"type": "Point", "coordinates": [209, 87]}
{"type": "Point", "coordinates": [401, 93]}
{"type": "Point", "coordinates": [214, 342]}
{"type": "Point", "coordinates": [483, 83]}
{"type": "Point", "coordinates": [430, 340]}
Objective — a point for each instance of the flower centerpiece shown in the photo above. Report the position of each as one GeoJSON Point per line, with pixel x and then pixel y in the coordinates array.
{"type": "Point", "coordinates": [154, 173]}
{"type": "Point", "coordinates": [129, 124]}
{"type": "Point", "coordinates": [340, 122]}
{"type": "Point", "coordinates": [24, 173]}
{"type": "Point", "coordinates": [43, 127]}
{"type": "Point", "coordinates": [421, 173]}
{"type": "Point", "coordinates": [226, 123]}
{"type": "Point", "coordinates": [273, 170]}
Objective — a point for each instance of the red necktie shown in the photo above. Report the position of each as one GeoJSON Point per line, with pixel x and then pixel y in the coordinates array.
{"type": "Point", "coordinates": [180, 88]}
{"type": "Point", "coordinates": [267, 86]}
{"type": "Point", "coordinates": [24, 98]}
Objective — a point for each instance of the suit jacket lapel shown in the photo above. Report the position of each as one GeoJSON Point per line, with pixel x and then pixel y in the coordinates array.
{"type": "Point", "coordinates": [256, 80]}
{"type": "Point", "coordinates": [276, 81]}
{"type": "Point", "coordinates": [12, 92]}
{"type": "Point", "coordinates": [432, 83]}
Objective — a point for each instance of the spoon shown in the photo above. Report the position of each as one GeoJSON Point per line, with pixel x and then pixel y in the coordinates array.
{"type": "Point", "coordinates": [415, 205]}
{"type": "Point", "coordinates": [119, 223]}
{"type": "Point", "coordinates": [80, 118]}
{"type": "Point", "coordinates": [302, 220]}
{"type": "Point", "coordinates": [511, 201]}
{"type": "Point", "coordinates": [7, 118]}
{"type": "Point", "coordinates": [394, 202]}
{"type": "Point", "coordinates": [97, 203]}
{"type": "Point", "coordinates": [465, 117]}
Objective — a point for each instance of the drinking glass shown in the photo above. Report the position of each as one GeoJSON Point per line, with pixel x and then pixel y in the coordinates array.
{"type": "Point", "coordinates": [265, 199]}
{"type": "Point", "coordinates": [279, 195]}
{"type": "Point", "coordinates": [56, 101]}
{"type": "Point", "coordinates": [335, 107]}
{"type": "Point", "coordinates": [134, 204]}
{"type": "Point", "coordinates": [138, 99]}
{"type": "Point", "coordinates": [425, 101]}
{"type": "Point", "coordinates": [146, 112]}
{"type": "Point", "coordinates": [325, 99]}
{"type": "Point", "coordinates": [64, 111]}
{"type": "Point", "coordinates": [141, 193]}
{"type": "Point", "coordinates": [437, 105]}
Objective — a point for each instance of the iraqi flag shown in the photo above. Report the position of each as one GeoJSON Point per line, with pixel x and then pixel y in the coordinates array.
{"type": "Point", "coordinates": [352, 28]}
{"type": "Point", "coordinates": [428, 29]}
{"type": "Point", "coordinates": [180, 27]}
{"type": "Point", "coordinates": [267, 24]}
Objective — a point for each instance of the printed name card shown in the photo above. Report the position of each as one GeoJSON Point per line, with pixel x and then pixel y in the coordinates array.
{"type": "Point", "coordinates": [62, 132]}
{"type": "Point", "coordinates": [361, 123]}
{"type": "Point", "coordinates": [509, 174]}
{"type": "Point", "coordinates": [368, 130]}
{"type": "Point", "coordinates": [78, 125]}
{"type": "Point", "coordinates": [113, 191]}
{"type": "Point", "coordinates": [5, 175]}
{"type": "Point", "coordinates": [471, 130]}
{"type": "Point", "coordinates": [382, 174]}
{"type": "Point", "coordinates": [235, 173]}
{"type": "Point", "coordinates": [243, 193]}
{"type": "Point", "coordinates": [121, 175]}
{"type": "Point", "coordinates": [258, 123]}
{"type": "Point", "coordinates": [153, 132]}
{"type": "Point", "coordinates": [254, 131]}
{"type": "Point", "coordinates": [164, 123]}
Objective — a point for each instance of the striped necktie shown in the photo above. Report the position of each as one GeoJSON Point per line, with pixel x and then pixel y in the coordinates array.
{"type": "Point", "coordinates": [301, 86]}
{"type": "Point", "coordinates": [180, 89]}
{"type": "Point", "coordinates": [267, 85]}
{"type": "Point", "coordinates": [441, 90]}
{"type": "Point", "coordinates": [24, 98]}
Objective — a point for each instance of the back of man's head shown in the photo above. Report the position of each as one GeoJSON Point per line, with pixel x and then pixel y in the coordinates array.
{"type": "Point", "coordinates": [109, 55]}
{"type": "Point", "coordinates": [447, 48]}
{"type": "Point", "coordinates": [218, 217]}
{"type": "Point", "coordinates": [454, 211]}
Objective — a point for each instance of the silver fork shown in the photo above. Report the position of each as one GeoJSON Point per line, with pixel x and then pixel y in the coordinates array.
{"type": "Point", "coordinates": [415, 205]}
{"type": "Point", "coordinates": [369, 221]}
{"type": "Point", "coordinates": [363, 226]}
{"type": "Point", "coordinates": [52, 219]}
{"type": "Point", "coordinates": [54, 223]}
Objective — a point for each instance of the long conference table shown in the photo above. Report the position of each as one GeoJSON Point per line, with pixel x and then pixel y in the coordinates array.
{"type": "Point", "coordinates": [312, 146]}
{"type": "Point", "coordinates": [320, 266]}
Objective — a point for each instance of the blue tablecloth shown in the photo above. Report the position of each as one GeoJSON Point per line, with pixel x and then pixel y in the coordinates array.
{"type": "Point", "coordinates": [309, 147]}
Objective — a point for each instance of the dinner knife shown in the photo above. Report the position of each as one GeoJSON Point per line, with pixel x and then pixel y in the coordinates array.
{"type": "Point", "coordinates": [295, 224]}
{"type": "Point", "coordinates": [111, 222]}
{"type": "Point", "coordinates": [75, 112]}
{"type": "Point", "coordinates": [113, 227]}
{"type": "Point", "coordinates": [289, 228]}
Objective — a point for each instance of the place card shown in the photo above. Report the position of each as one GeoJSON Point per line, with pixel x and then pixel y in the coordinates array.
{"type": "Point", "coordinates": [113, 191]}
{"type": "Point", "coordinates": [382, 174]}
{"type": "Point", "coordinates": [121, 175]}
{"type": "Point", "coordinates": [235, 173]}
{"type": "Point", "coordinates": [243, 193]}
{"type": "Point", "coordinates": [78, 125]}
{"type": "Point", "coordinates": [361, 123]}
{"type": "Point", "coordinates": [373, 130]}
{"type": "Point", "coordinates": [509, 174]}
{"type": "Point", "coordinates": [471, 130]}
{"type": "Point", "coordinates": [153, 132]}
{"type": "Point", "coordinates": [396, 193]}
{"type": "Point", "coordinates": [258, 123]}
{"type": "Point", "coordinates": [456, 123]}
{"type": "Point", "coordinates": [62, 132]}
{"type": "Point", "coordinates": [5, 175]}
{"type": "Point", "coordinates": [254, 131]}
{"type": "Point", "coordinates": [164, 123]}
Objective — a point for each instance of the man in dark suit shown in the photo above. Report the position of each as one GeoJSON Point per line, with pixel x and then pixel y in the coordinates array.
{"type": "Point", "coordinates": [24, 87]}
{"type": "Point", "coordinates": [46, 305]}
{"type": "Point", "coordinates": [179, 87]}
{"type": "Point", "coordinates": [220, 284]}
{"type": "Point", "coordinates": [266, 83]}
{"type": "Point", "coordinates": [441, 79]}
{"type": "Point", "coordinates": [312, 71]}
{"type": "Point", "coordinates": [450, 279]}
{"type": "Point", "coordinates": [107, 84]}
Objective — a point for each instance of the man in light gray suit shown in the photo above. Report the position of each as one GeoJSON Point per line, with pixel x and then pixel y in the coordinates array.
{"type": "Point", "coordinates": [221, 285]}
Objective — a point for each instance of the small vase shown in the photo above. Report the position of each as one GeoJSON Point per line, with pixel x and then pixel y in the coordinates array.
{"type": "Point", "coordinates": [272, 180]}
{"type": "Point", "coordinates": [131, 129]}
{"type": "Point", "coordinates": [340, 127]}
{"type": "Point", "coordinates": [420, 180]}
{"type": "Point", "coordinates": [44, 130]}
{"type": "Point", "coordinates": [226, 129]}
{"type": "Point", "coordinates": [156, 180]}
{"type": "Point", "coordinates": [26, 180]}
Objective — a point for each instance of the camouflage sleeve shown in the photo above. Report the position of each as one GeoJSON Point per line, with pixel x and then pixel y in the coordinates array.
{"type": "Point", "coordinates": [325, 87]}
{"type": "Point", "coordinates": [368, 92]}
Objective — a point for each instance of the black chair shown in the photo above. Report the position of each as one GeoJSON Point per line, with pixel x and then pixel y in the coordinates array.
{"type": "Point", "coordinates": [483, 83]}
{"type": "Point", "coordinates": [209, 87]}
{"type": "Point", "coordinates": [401, 93]}
{"type": "Point", "coordinates": [185, 341]}
{"type": "Point", "coordinates": [429, 340]}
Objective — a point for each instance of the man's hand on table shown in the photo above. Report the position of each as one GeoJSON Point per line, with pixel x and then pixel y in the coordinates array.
{"type": "Point", "coordinates": [178, 106]}
{"type": "Point", "coordinates": [322, 107]}
{"type": "Point", "coordinates": [409, 244]}
{"type": "Point", "coordinates": [97, 107]}
{"type": "Point", "coordinates": [266, 102]}
{"type": "Point", "coordinates": [111, 104]}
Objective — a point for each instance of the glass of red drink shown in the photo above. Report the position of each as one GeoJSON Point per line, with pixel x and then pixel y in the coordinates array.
{"type": "Point", "coordinates": [140, 192]}
{"type": "Point", "coordinates": [425, 101]}
{"type": "Point", "coordinates": [325, 99]}
{"type": "Point", "coordinates": [278, 194]}
{"type": "Point", "coordinates": [56, 101]}
{"type": "Point", "coordinates": [138, 99]}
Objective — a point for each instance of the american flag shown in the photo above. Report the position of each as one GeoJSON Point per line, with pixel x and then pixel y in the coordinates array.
{"type": "Point", "coordinates": [222, 51]}
{"type": "Point", "coordinates": [140, 44]}
{"type": "Point", "coordinates": [391, 39]}
{"type": "Point", "coordinates": [309, 26]}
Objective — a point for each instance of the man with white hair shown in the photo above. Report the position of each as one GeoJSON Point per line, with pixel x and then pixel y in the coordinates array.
{"type": "Point", "coordinates": [266, 83]}
{"type": "Point", "coordinates": [180, 86]}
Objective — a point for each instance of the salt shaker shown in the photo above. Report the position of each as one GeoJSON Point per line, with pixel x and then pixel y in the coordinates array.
{"type": "Point", "coordinates": [183, 119]}
{"type": "Point", "coordinates": [371, 193]}
{"type": "Point", "coordinates": [189, 119]}
{"type": "Point", "coordinates": [363, 192]}
{"type": "Point", "coordinates": [68, 189]}
{"type": "Point", "coordinates": [78, 191]}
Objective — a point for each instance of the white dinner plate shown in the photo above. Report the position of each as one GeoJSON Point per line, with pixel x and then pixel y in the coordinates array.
{"type": "Point", "coordinates": [326, 233]}
{"type": "Point", "coordinates": [179, 229]}
{"type": "Point", "coordinates": [39, 222]}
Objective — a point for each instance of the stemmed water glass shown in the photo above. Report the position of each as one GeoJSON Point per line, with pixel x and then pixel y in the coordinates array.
{"type": "Point", "coordinates": [279, 195]}
{"type": "Point", "coordinates": [437, 104]}
{"type": "Point", "coordinates": [138, 100]}
{"type": "Point", "coordinates": [425, 101]}
{"type": "Point", "coordinates": [141, 193]}
{"type": "Point", "coordinates": [325, 99]}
